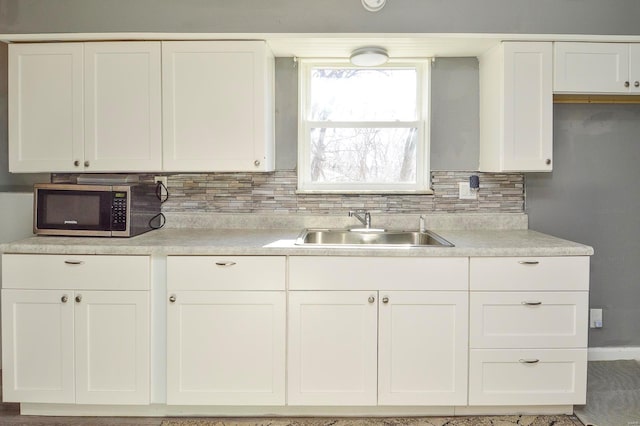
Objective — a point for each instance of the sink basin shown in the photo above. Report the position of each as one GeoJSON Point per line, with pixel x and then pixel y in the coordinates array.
{"type": "Point", "coordinates": [370, 238]}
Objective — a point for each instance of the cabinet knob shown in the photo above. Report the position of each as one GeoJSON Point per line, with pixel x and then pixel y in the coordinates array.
{"type": "Point", "coordinates": [547, 161]}
{"type": "Point", "coordinates": [626, 84]}
{"type": "Point", "coordinates": [636, 83]}
{"type": "Point", "coordinates": [86, 163]}
{"type": "Point", "coordinates": [385, 299]}
{"type": "Point", "coordinates": [79, 298]}
{"type": "Point", "coordinates": [257, 163]}
{"type": "Point", "coordinates": [64, 299]}
{"type": "Point", "coordinates": [372, 299]}
{"type": "Point", "coordinates": [172, 298]}
{"type": "Point", "coordinates": [76, 163]}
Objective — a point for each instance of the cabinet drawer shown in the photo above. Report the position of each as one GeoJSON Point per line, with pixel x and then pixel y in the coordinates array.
{"type": "Point", "coordinates": [529, 273]}
{"type": "Point", "coordinates": [378, 273]}
{"type": "Point", "coordinates": [226, 272]}
{"type": "Point", "coordinates": [528, 319]}
{"type": "Point", "coordinates": [527, 377]}
{"type": "Point", "coordinates": [80, 272]}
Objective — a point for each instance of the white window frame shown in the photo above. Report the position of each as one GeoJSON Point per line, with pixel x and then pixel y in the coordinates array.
{"type": "Point", "coordinates": [422, 124]}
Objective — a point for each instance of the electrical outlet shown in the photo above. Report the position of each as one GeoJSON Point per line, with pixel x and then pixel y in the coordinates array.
{"type": "Point", "coordinates": [163, 191]}
{"type": "Point", "coordinates": [161, 179]}
{"type": "Point", "coordinates": [595, 318]}
{"type": "Point", "coordinates": [465, 191]}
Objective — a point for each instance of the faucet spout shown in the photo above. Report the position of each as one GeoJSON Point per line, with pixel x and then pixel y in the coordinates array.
{"type": "Point", "coordinates": [358, 214]}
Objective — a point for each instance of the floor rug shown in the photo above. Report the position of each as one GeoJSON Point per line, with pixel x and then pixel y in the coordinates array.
{"type": "Point", "coordinates": [613, 394]}
{"type": "Point", "coordinates": [396, 421]}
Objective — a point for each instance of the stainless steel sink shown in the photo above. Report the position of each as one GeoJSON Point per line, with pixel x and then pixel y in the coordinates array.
{"type": "Point", "coordinates": [370, 238]}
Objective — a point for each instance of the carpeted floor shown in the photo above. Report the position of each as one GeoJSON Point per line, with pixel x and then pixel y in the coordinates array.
{"type": "Point", "coordinates": [613, 394]}
{"type": "Point", "coordinates": [396, 421]}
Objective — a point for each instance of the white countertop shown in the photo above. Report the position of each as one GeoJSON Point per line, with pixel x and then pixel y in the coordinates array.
{"type": "Point", "coordinates": [281, 242]}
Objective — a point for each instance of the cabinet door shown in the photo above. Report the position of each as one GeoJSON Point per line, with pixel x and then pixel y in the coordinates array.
{"type": "Point", "coordinates": [423, 348]}
{"type": "Point", "coordinates": [217, 106]}
{"type": "Point", "coordinates": [591, 67]}
{"type": "Point", "coordinates": [37, 349]}
{"type": "Point", "coordinates": [226, 348]}
{"type": "Point", "coordinates": [112, 347]}
{"type": "Point", "coordinates": [528, 107]}
{"type": "Point", "coordinates": [332, 348]}
{"type": "Point", "coordinates": [122, 105]}
{"type": "Point", "coordinates": [45, 107]}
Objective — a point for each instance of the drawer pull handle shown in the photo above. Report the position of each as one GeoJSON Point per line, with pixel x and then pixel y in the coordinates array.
{"type": "Point", "coordinates": [529, 361]}
{"type": "Point", "coordinates": [531, 303]}
{"type": "Point", "coordinates": [225, 263]}
{"type": "Point", "coordinates": [528, 262]}
{"type": "Point", "coordinates": [74, 262]}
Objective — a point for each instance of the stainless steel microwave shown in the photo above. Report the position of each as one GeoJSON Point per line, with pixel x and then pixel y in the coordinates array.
{"type": "Point", "coordinates": [95, 210]}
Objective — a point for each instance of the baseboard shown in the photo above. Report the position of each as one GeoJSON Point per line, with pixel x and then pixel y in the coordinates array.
{"type": "Point", "coordinates": [613, 353]}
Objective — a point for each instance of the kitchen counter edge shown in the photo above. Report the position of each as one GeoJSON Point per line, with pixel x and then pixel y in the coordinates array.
{"type": "Point", "coordinates": [280, 242]}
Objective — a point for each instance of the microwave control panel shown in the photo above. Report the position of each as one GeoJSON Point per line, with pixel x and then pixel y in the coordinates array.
{"type": "Point", "coordinates": [119, 211]}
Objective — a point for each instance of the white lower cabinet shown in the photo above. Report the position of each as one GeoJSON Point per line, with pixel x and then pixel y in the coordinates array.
{"type": "Point", "coordinates": [84, 347]}
{"type": "Point", "coordinates": [383, 346]}
{"type": "Point", "coordinates": [422, 348]}
{"type": "Point", "coordinates": [68, 338]}
{"type": "Point", "coordinates": [37, 346]}
{"type": "Point", "coordinates": [226, 347]}
{"type": "Point", "coordinates": [528, 333]}
{"type": "Point", "coordinates": [112, 347]}
{"type": "Point", "coordinates": [299, 331]}
{"type": "Point", "coordinates": [332, 348]}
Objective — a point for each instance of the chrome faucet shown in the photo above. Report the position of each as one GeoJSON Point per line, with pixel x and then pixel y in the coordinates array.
{"type": "Point", "coordinates": [366, 219]}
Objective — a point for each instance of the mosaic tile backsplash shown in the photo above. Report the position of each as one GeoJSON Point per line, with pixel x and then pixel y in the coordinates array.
{"type": "Point", "coordinates": [275, 192]}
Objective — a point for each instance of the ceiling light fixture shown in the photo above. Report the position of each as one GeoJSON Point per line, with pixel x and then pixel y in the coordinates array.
{"type": "Point", "coordinates": [373, 5]}
{"type": "Point", "coordinates": [369, 56]}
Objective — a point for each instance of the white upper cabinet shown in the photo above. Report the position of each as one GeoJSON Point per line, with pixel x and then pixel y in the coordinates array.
{"type": "Point", "coordinates": [122, 106]}
{"type": "Point", "coordinates": [597, 68]}
{"type": "Point", "coordinates": [217, 106]}
{"type": "Point", "coordinates": [516, 108]}
{"type": "Point", "coordinates": [45, 107]}
{"type": "Point", "coordinates": [84, 107]}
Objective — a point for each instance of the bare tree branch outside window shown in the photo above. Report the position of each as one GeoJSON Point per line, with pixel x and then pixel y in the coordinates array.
{"type": "Point", "coordinates": [363, 125]}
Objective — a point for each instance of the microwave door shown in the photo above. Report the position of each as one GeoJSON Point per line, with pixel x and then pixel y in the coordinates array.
{"type": "Point", "coordinates": [73, 212]}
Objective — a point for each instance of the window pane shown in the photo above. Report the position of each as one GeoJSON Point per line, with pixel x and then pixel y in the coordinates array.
{"type": "Point", "coordinates": [363, 155]}
{"type": "Point", "coordinates": [347, 94]}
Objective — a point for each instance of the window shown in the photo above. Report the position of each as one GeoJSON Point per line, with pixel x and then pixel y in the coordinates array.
{"type": "Point", "coordinates": [363, 129]}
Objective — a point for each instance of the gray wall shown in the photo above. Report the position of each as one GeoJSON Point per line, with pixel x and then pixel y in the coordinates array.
{"type": "Point", "coordinates": [592, 196]}
{"type": "Point", "coordinates": [402, 16]}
